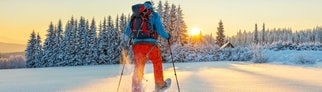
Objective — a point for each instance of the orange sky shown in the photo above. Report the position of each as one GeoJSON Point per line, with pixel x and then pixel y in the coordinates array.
{"type": "Point", "coordinates": [19, 17]}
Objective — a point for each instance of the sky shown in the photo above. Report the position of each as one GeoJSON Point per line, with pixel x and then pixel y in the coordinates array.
{"type": "Point", "coordinates": [18, 18]}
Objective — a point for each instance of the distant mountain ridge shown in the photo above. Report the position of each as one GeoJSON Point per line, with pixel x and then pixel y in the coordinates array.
{"type": "Point", "coordinates": [11, 47]}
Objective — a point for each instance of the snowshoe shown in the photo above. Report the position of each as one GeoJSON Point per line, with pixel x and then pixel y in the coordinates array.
{"type": "Point", "coordinates": [167, 84]}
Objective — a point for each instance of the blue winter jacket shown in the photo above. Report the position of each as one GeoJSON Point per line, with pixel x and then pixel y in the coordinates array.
{"type": "Point", "coordinates": [155, 20]}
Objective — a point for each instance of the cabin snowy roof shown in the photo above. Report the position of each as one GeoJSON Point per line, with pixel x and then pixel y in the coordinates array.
{"type": "Point", "coordinates": [227, 45]}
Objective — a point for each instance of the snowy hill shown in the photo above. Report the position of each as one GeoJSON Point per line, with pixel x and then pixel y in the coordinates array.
{"type": "Point", "coordinates": [11, 47]}
{"type": "Point", "coordinates": [193, 77]}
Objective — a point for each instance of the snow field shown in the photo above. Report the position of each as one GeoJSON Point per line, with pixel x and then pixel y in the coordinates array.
{"type": "Point", "coordinates": [221, 76]}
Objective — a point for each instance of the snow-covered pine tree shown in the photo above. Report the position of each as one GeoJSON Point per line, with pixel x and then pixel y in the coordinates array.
{"type": "Point", "coordinates": [87, 60]}
{"type": "Point", "coordinates": [239, 38]}
{"type": "Point", "coordinates": [244, 38]}
{"type": "Point", "coordinates": [220, 39]}
{"type": "Point", "coordinates": [124, 40]}
{"type": "Point", "coordinates": [58, 53]}
{"type": "Point", "coordinates": [92, 52]}
{"type": "Point", "coordinates": [166, 24]}
{"type": "Point", "coordinates": [182, 27]}
{"type": "Point", "coordinates": [117, 27]}
{"type": "Point", "coordinates": [47, 59]}
{"type": "Point", "coordinates": [318, 34]}
{"type": "Point", "coordinates": [76, 47]}
{"type": "Point", "coordinates": [31, 50]}
{"type": "Point", "coordinates": [263, 34]}
{"type": "Point", "coordinates": [270, 35]}
{"type": "Point", "coordinates": [39, 51]}
{"type": "Point", "coordinates": [103, 44]}
{"type": "Point", "coordinates": [83, 45]}
{"type": "Point", "coordinates": [67, 44]}
{"type": "Point", "coordinates": [311, 34]}
{"type": "Point", "coordinates": [109, 47]}
{"type": "Point", "coordinates": [123, 23]}
{"type": "Point", "coordinates": [289, 36]}
{"type": "Point", "coordinates": [173, 25]}
{"type": "Point", "coordinates": [110, 22]}
{"type": "Point", "coordinates": [114, 43]}
{"type": "Point", "coordinates": [256, 35]}
{"type": "Point", "coordinates": [166, 16]}
{"type": "Point", "coordinates": [319, 29]}
{"type": "Point", "coordinates": [160, 9]}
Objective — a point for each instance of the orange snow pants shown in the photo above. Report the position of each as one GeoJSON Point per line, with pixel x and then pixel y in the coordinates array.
{"type": "Point", "coordinates": [143, 52]}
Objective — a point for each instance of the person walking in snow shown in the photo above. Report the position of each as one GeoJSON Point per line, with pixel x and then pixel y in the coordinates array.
{"type": "Point", "coordinates": [144, 28]}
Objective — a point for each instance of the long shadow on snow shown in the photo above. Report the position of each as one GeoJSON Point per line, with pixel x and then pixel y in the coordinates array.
{"type": "Point", "coordinates": [299, 85]}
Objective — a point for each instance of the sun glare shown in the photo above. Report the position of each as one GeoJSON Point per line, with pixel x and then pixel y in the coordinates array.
{"type": "Point", "coordinates": [194, 31]}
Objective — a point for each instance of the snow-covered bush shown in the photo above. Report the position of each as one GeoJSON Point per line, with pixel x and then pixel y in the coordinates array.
{"type": "Point", "coordinates": [193, 53]}
{"type": "Point", "coordinates": [188, 53]}
{"type": "Point", "coordinates": [12, 62]}
{"type": "Point", "coordinates": [179, 53]}
{"type": "Point", "coordinates": [3, 63]}
{"type": "Point", "coordinates": [293, 46]}
{"type": "Point", "coordinates": [241, 54]}
{"type": "Point", "coordinates": [303, 60]}
{"type": "Point", "coordinates": [282, 46]}
{"type": "Point", "coordinates": [258, 56]}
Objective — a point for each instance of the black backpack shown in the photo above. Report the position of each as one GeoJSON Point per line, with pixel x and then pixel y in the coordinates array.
{"type": "Point", "coordinates": [141, 27]}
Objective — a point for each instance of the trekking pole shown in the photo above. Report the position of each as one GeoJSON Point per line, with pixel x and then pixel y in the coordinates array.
{"type": "Point", "coordinates": [118, 87]}
{"type": "Point", "coordinates": [174, 68]}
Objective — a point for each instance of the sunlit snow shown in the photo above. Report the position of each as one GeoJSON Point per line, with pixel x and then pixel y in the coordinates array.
{"type": "Point", "coordinates": [193, 77]}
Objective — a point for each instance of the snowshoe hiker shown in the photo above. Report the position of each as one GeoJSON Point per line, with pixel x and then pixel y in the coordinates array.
{"type": "Point", "coordinates": [144, 28]}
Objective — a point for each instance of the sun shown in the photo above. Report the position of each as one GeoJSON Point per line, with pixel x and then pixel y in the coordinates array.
{"type": "Point", "coordinates": [194, 31]}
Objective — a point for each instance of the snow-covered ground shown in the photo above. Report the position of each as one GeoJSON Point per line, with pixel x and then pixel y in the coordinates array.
{"type": "Point", "coordinates": [193, 77]}
{"type": "Point", "coordinates": [293, 56]}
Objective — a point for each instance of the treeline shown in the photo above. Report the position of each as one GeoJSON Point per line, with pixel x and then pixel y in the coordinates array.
{"type": "Point", "coordinates": [269, 36]}
{"type": "Point", "coordinates": [83, 42]}
{"type": "Point", "coordinates": [14, 61]}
